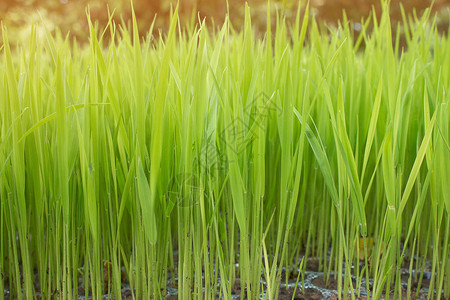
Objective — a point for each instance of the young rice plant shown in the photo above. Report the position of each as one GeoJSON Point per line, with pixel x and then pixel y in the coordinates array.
{"type": "Point", "coordinates": [209, 158]}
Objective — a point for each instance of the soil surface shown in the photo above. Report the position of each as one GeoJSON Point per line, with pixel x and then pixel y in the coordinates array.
{"type": "Point", "coordinates": [331, 284]}
{"type": "Point", "coordinates": [310, 293]}
{"type": "Point", "coordinates": [315, 286]}
{"type": "Point", "coordinates": [335, 297]}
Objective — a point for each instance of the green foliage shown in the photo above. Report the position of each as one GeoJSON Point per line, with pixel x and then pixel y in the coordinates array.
{"type": "Point", "coordinates": [219, 147]}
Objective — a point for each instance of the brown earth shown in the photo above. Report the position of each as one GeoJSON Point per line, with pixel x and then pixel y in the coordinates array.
{"type": "Point", "coordinates": [331, 284]}
{"type": "Point", "coordinates": [309, 294]}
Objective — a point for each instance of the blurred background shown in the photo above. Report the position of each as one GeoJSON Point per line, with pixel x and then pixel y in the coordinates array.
{"type": "Point", "coordinates": [70, 15]}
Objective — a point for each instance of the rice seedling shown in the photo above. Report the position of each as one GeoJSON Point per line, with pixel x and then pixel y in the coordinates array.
{"type": "Point", "coordinates": [215, 162]}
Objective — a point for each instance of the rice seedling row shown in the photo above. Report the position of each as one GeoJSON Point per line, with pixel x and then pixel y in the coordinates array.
{"type": "Point", "coordinates": [226, 159]}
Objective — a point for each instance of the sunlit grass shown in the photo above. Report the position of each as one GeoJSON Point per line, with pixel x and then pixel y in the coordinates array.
{"type": "Point", "coordinates": [178, 157]}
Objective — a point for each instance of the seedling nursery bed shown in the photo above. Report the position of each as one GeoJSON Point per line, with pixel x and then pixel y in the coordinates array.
{"type": "Point", "coordinates": [212, 161]}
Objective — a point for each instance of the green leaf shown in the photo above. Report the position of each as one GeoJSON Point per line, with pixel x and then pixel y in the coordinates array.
{"type": "Point", "coordinates": [322, 160]}
{"type": "Point", "coordinates": [147, 205]}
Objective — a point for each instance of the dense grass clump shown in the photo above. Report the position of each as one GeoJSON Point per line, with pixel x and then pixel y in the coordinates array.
{"type": "Point", "coordinates": [181, 156]}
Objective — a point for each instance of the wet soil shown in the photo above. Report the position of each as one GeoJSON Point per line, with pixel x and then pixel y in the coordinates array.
{"type": "Point", "coordinates": [415, 281]}
{"type": "Point", "coordinates": [236, 289]}
{"type": "Point", "coordinates": [310, 293]}
{"type": "Point", "coordinates": [320, 281]}
{"type": "Point", "coordinates": [286, 294]}
{"type": "Point", "coordinates": [314, 283]}
{"type": "Point", "coordinates": [314, 265]}
{"type": "Point", "coordinates": [335, 297]}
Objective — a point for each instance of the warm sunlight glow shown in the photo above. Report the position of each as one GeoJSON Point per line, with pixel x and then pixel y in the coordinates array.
{"type": "Point", "coordinates": [70, 15]}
